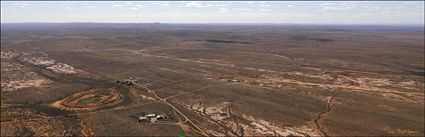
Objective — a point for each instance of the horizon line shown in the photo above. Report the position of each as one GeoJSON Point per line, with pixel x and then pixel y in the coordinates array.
{"type": "Point", "coordinates": [204, 23]}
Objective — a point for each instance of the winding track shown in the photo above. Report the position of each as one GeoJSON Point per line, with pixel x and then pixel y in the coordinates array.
{"type": "Point", "coordinates": [329, 103]}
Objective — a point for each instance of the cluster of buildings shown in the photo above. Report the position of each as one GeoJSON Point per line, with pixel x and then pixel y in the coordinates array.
{"type": "Point", "coordinates": [128, 82]}
{"type": "Point", "coordinates": [151, 118]}
{"type": "Point", "coordinates": [233, 80]}
{"type": "Point", "coordinates": [131, 81]}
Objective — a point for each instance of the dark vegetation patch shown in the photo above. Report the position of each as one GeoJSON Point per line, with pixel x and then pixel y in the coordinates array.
{"type": "Point", "coordinates": [306, 38]}
{"type": "Point", "coordinates": [225, 41]}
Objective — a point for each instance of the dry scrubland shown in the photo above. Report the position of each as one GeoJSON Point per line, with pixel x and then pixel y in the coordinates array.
{"type": "Point", "coordinates": [212, 80]}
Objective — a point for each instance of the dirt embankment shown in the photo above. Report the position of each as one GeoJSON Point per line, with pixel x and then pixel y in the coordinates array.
{"type": "Point", "coordinates": [89, 100]}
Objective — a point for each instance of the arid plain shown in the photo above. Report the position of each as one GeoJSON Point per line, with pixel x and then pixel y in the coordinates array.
{"type": "Point", "coordinates": [211, 80]}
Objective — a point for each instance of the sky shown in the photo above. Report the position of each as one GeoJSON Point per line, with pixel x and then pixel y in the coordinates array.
{"type": "Point", "coordinates": [307, 12]}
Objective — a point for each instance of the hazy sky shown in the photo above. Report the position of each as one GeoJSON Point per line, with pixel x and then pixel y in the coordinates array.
{"type": "Point", "coordinates": [329, 12]}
